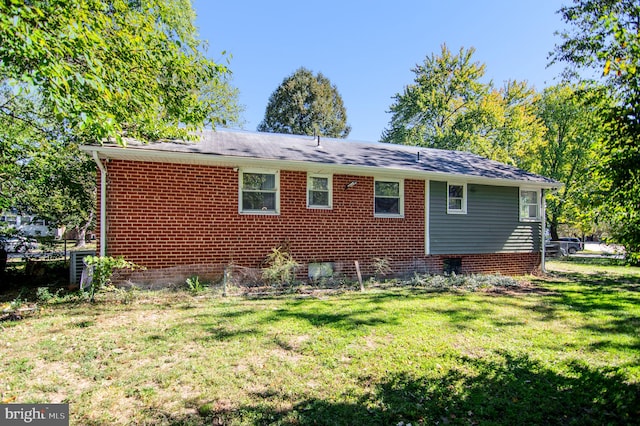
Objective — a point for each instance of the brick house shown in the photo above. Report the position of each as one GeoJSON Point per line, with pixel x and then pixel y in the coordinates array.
{"type": "Point", "coordinates": [183, 208]}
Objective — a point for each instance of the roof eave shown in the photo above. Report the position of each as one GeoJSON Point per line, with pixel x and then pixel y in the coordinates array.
{"type": "Point", "coordinates": [120, 153]}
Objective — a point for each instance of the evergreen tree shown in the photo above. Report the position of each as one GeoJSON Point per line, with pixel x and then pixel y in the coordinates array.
{"type": "Point", "coordinates": [306, 104]}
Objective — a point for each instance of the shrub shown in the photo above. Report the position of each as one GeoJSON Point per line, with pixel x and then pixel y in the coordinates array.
{"type": "Point", "coordinates": [194, 284]}
{"type": "Point", "coordinates": [102, 270]}
{"type": "Point", "coordinates": [381, 267]}
{"type": "Point", "coordinates": [281, 267]}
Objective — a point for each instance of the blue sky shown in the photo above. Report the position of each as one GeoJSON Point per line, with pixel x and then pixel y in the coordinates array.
{"type": "Point", "coordinates": [368, 48]}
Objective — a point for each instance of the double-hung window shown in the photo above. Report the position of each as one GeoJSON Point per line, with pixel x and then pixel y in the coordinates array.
{"type": "Point", "coordinates": [259, 192]}
{"type": "Point", "coordinates": [388, 198]}
{"type": "Point", "coordinates": [319, 191]}
{"type": "Point", "coordinates": [456, 198]}
{"type": "Point", "coordinates": [529, 205]}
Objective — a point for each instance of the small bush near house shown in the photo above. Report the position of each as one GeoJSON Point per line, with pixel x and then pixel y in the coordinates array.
{"type": "Point", "coordinates": [381, 267]}
{"type": "Point", "coordinates": [103, 268]}
{"type": "Point", "coordinates": [194, 284]}
{"type": "Point", "coordinates": [281, 267]}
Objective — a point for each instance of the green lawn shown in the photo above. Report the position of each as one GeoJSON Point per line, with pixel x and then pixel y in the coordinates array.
{"type": "Point", "coordinates": [563, 350]}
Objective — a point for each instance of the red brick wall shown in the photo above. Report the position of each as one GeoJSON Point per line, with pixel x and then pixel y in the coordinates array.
{"type": "Point", "coordinates": [162, 215]}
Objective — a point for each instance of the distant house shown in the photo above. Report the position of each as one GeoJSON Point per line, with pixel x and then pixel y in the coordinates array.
{"type": "Point", "coordinates": [181, 208]}
{"type": "Point", "coordinates": [27, 224]}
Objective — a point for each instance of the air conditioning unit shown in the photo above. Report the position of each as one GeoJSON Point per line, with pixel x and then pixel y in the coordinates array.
{"type": "Point", "coordinates": [76, 264]}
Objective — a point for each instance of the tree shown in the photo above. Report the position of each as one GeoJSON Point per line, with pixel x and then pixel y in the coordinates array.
{"type": "Point", "coordinates": [41, 172]}
{"type": "Point", "coordinates": [602, 37]}
{"type": "Point", "coordinates": [60, 187]}
{"type": "Point", "coordinates": [104, 69]}
{"type": "Point", "coordinates": [504, 127]}
{"type": "Point", "coordinates": [569, 153]}
{"type": "Point", "coordinates": [306, 104]}
{"type": "Point", "coordinates": [448, 107]}
{"type": "Point", "coordinates": [16, 136]}
{"type": "Point", "coordinates": [84, 71]}
{"type": "Point", "coordinates": [432, 112]}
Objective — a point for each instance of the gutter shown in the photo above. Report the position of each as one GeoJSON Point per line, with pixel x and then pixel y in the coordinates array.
{"type": "Point", "coordinates": [103, 204]}
{"type": "Point", "coordinates": [206, 159]}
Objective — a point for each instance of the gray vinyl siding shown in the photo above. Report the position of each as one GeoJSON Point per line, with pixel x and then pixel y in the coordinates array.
{"type": "Point", "coordinates": [491, 225]}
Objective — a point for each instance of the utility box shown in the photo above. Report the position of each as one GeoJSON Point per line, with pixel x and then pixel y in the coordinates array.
{"type": "Point", "coordinates": [76, 264]}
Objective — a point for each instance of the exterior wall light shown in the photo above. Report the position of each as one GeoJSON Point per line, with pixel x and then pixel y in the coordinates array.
{"type": "Point", "coordinates": [350, 184]}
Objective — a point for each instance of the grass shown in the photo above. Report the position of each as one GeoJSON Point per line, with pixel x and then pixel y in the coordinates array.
{"type": "Point", "coordinates": [563, 350]}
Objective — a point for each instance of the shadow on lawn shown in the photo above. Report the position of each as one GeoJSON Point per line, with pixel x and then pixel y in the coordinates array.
{"type": "Point", "coordinates": [513, 391]}
{"type": "Point", "coordinates": [597, 296]}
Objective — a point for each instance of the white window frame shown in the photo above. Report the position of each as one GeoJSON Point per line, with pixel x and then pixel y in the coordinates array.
{"type": "Point", "coordinates": [276, 190]}
{"type": "Point", "coordinates": [400, 214]}
{"type": "Point", "coordinates": [463, 209]}
{"type": "Point", "coordinates": [329, 178]}
{"type": "Point", "coordinates": [538, 205]}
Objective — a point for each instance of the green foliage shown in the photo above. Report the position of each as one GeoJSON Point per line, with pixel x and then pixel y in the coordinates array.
{"type": "Point", "coordinates": [85, 71]}
{"type": "Point", "coordinates": [18, 142]}
{"type": "Point", "coordinates": [569, 153]}
{"type": "Point", "coordinates": [448, 107]}
{"type": "Point", "coordinates": [620, 173]}
{"type": "Point", "coordinates": [306, 104]}
{"type": "Point", "coordinates": [60, 186]}
{"type": "Point", "coordinates": [44, 295]}
{"type": "Point", "coordinates": [602, 37]}
{"type": "Point", "coordinates": [431, 112]}
{"type": "Point", "coordinates": [107, 68]}
{"type": "Point", "coordinates": [102, 270]}
{"type": "Point", "coordinates": [194, 284]}
{"type": "Point", "coordinates": [281, 267]}
{"type": "Point", "coordinates": [41, 173]}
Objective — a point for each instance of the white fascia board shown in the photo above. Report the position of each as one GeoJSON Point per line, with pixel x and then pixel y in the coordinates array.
{"type": "Point", "coordinates": [150, 155]}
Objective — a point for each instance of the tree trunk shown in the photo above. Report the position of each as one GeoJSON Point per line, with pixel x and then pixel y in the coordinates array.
{"type": "Point", "coordinates": [81, 237]}
{"type": "Point", "coordinates": [553, 229]}
{"type": "Point", "coordinates": [81, 234]}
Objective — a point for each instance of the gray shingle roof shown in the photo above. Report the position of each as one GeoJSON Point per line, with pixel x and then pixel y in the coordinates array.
{"type": "Point", "coordinates": [343, 153]}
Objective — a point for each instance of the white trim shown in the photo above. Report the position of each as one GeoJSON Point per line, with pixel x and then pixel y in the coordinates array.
{"type": "Point", "coordinates": [329, 187]}
{"type": "Point", "coordinates": [133, 154]}
{"type": "Point", "coordinates": [400, 196]}
{"type": "Point", "coordinates": [539, 204]}
{"type": "Point", "coordinates": [276, 174]}
{"type": "Point", "coordinates": [427, 205]}
{"type": "Point", "coordinates": [463, 209]}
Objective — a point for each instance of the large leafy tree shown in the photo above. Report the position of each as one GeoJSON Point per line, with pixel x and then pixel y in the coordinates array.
{"type": "Point", "coordinates": [603, 39]}
{"type": "Point", "coordinates": [433, 111]}
{"type": "Point", "coordinates": [104, 69]}
{"type": "Point", "coordinates": [448, 107]}
{"type": "Point", "coordinates": [569, 154]}
{"type": "Point", "coordinates": [504, 126]}
{"type": "Point", "coordinates": [60, 187]}
{"type": "Point", "coordinates": [306, 104]}
{"type": "Point", "coordinates": [83, 71]}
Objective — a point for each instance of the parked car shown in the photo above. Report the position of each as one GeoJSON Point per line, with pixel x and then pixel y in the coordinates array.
{"type": "Point", "coordinates": [19, 245]}
{"type": "Point", "coordinates": [572, 244]}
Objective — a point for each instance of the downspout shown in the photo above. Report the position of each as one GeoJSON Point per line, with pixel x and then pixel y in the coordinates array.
{"type": "Point", "coordinates": [103, 204]}
{"type": "Point", "coordinates": [543, 213]}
